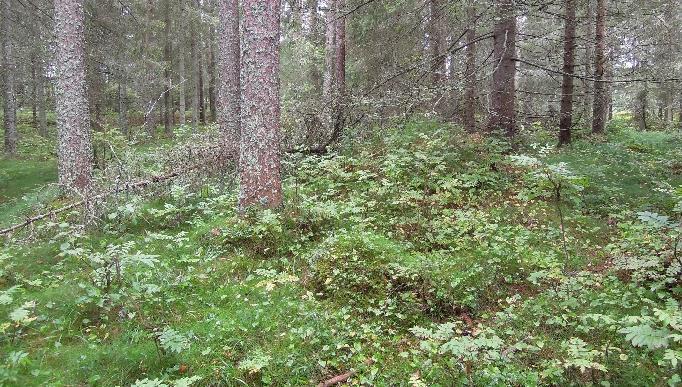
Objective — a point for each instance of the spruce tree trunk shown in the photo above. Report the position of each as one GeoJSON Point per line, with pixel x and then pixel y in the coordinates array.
{"type": "Point", "coordinates": [123, 108]}
{"type": "Point", "coordinates": [503, 93]}
{"type": "Point", "coordinates": [436, 42]}
{"type": "Point", "coordinates": [588, 62]}
{"type": "Point", "coordinates": [600, 98]}
{"type": "Point", "coordinates": [200, 74]}
{"type": "Point", "coordinates": [469, 116]}
{"type": "Point", "coordinates": [42, 103]}
{"type": "Point", "coordinates": [212, 75]}
{"type": "Point", "coordinates": [340, 70]}
{"type": "Point", "coordinates": [182, 104]}
{"type": "Point", "coordinates": [167, 52]}
{"type": "Point", "coordinates": [328, 82]}
{"type": "Point", "coordinates": [34, 90]}
{"type": "Point", "coordinates": [566, 112]}
{"type": "Point", "coordinates": [229, 97]}
{"type": "Point", "coordinates": [9, 102]}
{"type": "Point", "coordinates": [260, 140]}
{"type": "Point", "coordinates": [196, 78]}
{"type": "Point", "coordinates": [74, 146]}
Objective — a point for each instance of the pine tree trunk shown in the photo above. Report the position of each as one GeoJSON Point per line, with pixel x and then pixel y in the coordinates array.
{"type": "Point", "coordinates": [470, 82]}
{"type": "Point", "coordinates": [600, 99]}
{"type": "Point", "coordinates": [229, 97]}
{"type": "Point", "coordinates": [503, 93]}
{"type": "Point", "coordinates": [566, 112]}
{"type": "Point", "coordinates": [260, 140]}
{"type": "Point", "coordinates": [74, 146]}
{"type": "Point", "coordinates": [9, 102]}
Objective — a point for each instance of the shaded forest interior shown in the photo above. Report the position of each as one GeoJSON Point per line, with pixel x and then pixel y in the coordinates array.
{"type": "Point", "coordinates": [341, 192]}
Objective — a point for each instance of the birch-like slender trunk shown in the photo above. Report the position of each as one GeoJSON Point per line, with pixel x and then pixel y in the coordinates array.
{"type": "Point", "coordinates": [74, 146]}
{"type": "Point", "coordinates": [259, 162]}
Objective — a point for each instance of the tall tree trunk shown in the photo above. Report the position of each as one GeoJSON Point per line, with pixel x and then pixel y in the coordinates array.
{"type": "Point", "coordinates": [328, 83]}
{"type": "Point", "coordinates": [150, 77]}
{"type": "Point", "coordinates": [167, 52]}
{"type": "Point", "coordinates": [600, 98]}
{"type": "Point", "coordinates": [183, 85]}
{"type": "Point", "coordinates": [42, 102]}
{"type": "Point", "coordinates": [260, 141]}
{"type": "Point", "coordinates": [9, 102]}
{"type": "Point", "coordinates": [566, 112]}
{"type": "Point", "coordinates": [34, 89]}
{"type": "Point", "coordinates": [436, 42]}
{"type": "Point", "coordinates": [470, 83]}
{"type": "Point", "coordinates": [588, 61]}
{"type": "Point", "coordinates": [503, 94]}
{"type": "Point", "coordinates": [74, 149]}
{"type": "Point", "coordinates": [200, 74]}
{"type": "Point", "coordinates": [123, 108]}
{"type": "Point", "coordinates": [196, 78]}
{"type": "Point", "coordinates": [312, 36]}
{"type": "Point", "coordinates": [340, 69]}
{"type": "Point", "coordinates": [212, 74]}
{"type": "Point", "coordinates": [229, 97]}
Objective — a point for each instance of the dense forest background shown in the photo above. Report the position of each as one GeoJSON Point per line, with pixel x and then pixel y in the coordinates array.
{"type": "Point", "coordinates": [325, 192]}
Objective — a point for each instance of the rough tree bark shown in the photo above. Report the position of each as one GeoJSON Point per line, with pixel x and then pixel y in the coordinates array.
{"type": "Point", "coordinates": [566, 112]}
{"type": "Point", "coordinates": [9, 104]}
{"type": "Point", "coordinates": [167, 52]}
{"type": "Point", "coordinates": [588, 61]}
{"type": "Point", "coordinates": [229, 67]}
{"type": "Point", "coordinates": [183, 84]}
{"type": "Point", "coordinates": [328, 82]}
{"type": "Point", "coordinates": [196, 76]}
{"type": "Point", "coordinates": [260, 138]}
{"type": "Point", "coordinates": [340, 69]}
{"type": "Point", "coordinates": [469, 113]}
{"type": "Point", "coordinates": [212, 64]}
{"type": "Point", "coordinates": [74, 147]}
{"type": "Point", "coordinates": [42, 102]}
{"type": "Point", "coordinates": [503, 93]}
{"type": "Point", "coordinates": [600, 98]}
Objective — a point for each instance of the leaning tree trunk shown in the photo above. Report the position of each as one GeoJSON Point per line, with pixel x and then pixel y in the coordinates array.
{"type": "Point", "coordinates": [503, 94]}
{"type": "Point", "coordinates": [566, 112]}
{"type": "Point", "coordinates": [228, 66]}
{"type": "Point", "coordinates": [600, 98]}
{"type": "Point", "coordinates": [469, 114]}
{"type": "Point", "coordinates": [74, 148]}
{"type": "Point", "coordinates": [259, 152]}
{"type": "Point", "coordinates": [8, 74]}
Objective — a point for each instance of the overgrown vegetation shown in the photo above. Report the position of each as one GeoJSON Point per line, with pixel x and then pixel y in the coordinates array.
{"type": "Point", "coordinates": [425, 257]}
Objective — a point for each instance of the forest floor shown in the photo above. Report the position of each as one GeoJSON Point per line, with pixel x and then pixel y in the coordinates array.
{"type": "Point", "coordinates": [424, 258]}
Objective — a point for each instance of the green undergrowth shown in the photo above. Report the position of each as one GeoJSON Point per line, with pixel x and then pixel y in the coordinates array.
{"type": "Point", "coordinates": [426, 257]}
